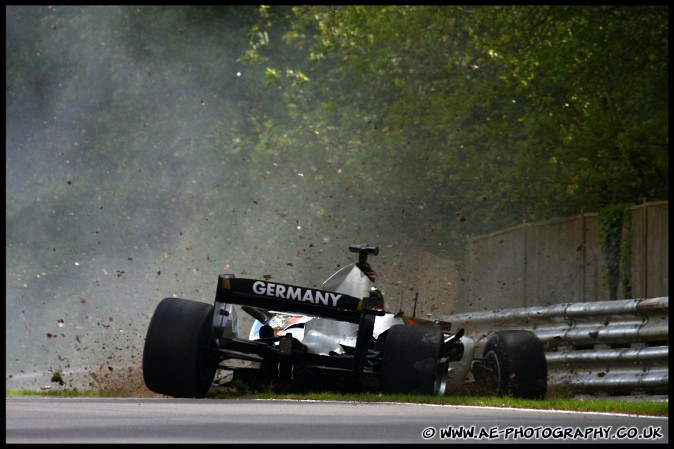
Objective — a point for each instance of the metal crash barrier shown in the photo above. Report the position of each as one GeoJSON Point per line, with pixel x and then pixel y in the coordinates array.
{"type": "Point", "coordinates": [604, 348]}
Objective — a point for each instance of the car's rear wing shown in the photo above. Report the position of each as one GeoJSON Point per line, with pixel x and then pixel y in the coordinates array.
{"type": "Point", "coordinates": [290, 298]}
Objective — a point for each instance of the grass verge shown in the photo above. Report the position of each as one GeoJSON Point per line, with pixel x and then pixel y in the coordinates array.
{"type": "Point", "coordinates": [631, 407]}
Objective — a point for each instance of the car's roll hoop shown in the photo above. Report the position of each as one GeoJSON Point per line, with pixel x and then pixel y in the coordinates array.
{"type": "Point", "coordinates": [363, 250]}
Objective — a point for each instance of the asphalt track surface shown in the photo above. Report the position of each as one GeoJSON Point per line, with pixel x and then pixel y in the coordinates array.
{"type": "Point", "coordinates": [31, 419]}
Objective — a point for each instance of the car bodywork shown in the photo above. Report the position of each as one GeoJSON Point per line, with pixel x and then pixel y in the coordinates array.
{"type": "Point", "coordinates": [339, 337]}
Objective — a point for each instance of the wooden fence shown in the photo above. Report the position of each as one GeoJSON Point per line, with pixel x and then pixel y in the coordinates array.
{"type": "Point", "coordinates": [560, 261]}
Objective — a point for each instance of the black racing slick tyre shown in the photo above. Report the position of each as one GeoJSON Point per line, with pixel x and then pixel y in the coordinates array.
{"type": "Point", "coordinates": [176, 356]}
{"type": "Point", "coordinates": [411, 361]}
{"type": "Point", "coordinates": [514, 365]}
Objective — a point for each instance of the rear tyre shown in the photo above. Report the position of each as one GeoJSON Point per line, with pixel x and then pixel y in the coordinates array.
{"type": "Point", "coordinates": [514, 365]}
{"type": "Point", "coordinates": [176, 356]}
{"type": "Point", "coordinates": [411, 361]}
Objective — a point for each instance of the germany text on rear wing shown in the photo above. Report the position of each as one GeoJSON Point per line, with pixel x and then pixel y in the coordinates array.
{"type": "Point", "coordinates": [291, 298]}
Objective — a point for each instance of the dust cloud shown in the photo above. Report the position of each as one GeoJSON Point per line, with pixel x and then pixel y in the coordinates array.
{"type": "Point", "coordinates": [125, 184]}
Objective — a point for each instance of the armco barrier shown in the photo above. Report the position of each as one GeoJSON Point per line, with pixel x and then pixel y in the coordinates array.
{"type": "Point", "coordinates": [604, 348]}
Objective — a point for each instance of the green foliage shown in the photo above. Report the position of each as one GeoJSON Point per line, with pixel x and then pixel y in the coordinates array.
{"type": "Point", "coordinates": [425, 121]}
{"type": "Point", "coordinates": [501, 114]}
{"type": "Point", "coordinates": [615, 244]}
{"type": "Point", "coordinates": [626, 254]}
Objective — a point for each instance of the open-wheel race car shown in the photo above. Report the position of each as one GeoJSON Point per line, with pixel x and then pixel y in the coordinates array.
{"type": "Point", "coordinates": [338, 338]}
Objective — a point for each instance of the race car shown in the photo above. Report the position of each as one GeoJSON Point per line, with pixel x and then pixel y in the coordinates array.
{"type": "Point", "coordinates": [338, 338]}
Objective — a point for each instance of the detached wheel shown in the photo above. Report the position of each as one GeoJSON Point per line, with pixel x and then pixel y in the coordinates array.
{"type": "Point", "coordinates": [176, 359]}
{"type": "Point", "coordinates": [411, 361]}
{"type": "Point", "coordinates": [514, 365]}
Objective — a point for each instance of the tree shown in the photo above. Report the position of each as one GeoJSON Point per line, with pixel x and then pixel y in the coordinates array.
{"type": "Point", "coordinates": [500, 114]}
